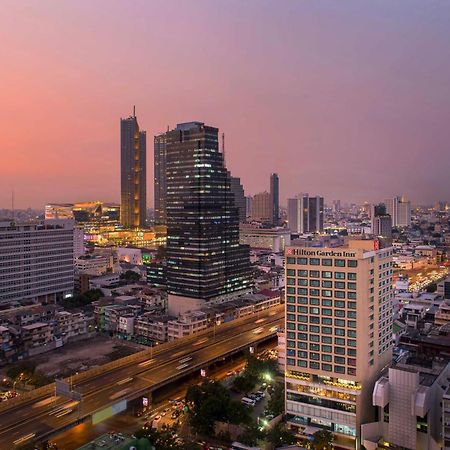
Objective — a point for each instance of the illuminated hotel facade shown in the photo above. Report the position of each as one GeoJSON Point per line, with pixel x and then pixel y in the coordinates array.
{"type": "Point", "coordinates": [133, 172]}
{"type": "Point", "coordinates": [338, 336]}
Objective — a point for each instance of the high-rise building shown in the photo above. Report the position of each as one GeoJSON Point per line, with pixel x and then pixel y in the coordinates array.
{"type": "Point", "coordinates": [275, 199]}
{"type": "Point", "coordinates": [338, 336]}
{"type": "Point", "coordinates": [248, 206]}
{"type": "Point", "coordinates": [133, 173]}
{"type": "Point", "coordinates": [381, 221]}
{"type": "Point", "coordinates": [36, 261]}
{"type": "Point", "coordinates": [239, 197]}
{"type": "Point", "coordinates": [205, 262]}
{"type": "Point", "coordinates": [399, 208]}
{"type": "Point", "coordinates": [305, 214]}
{"type": "Point", "coordinates": [262, 207]}
{"type": "Point", "coordinates": [159, 146]}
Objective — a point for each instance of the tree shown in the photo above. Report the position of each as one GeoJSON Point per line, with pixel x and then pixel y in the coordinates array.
{"type": "Point", "coordinates": [244, 383]}
{"type": "Point", "coordinates": [280, 435]}
{"type": "Point", "coordinates": [251, 435]}
{"type": "Point", "coordinates": [276, 402]}
{"type": "Point", "coordinates": [130, 275]}
{"type": "Point", "coordinates": [323, 440]}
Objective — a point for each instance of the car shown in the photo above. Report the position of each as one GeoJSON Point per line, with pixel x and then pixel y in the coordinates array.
{"type": "Point", "coordinates": [269, 416]}
{"type": "Point", "coordinates": [261, 394]}
{"type": "Point", "coordinates": [158, 417]}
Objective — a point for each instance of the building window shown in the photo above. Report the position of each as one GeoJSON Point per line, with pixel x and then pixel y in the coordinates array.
{"type": "Point", "coordinates": [327, 262]}
{"type": "Point", "coordinates": [339, 369]}
{"type": "Point", "coordinates": [351, 286]}
{"type": "Point", "coordinates": [351, 305]}
{"type": "Point", "coordinates": [339, 294]}
{"type": "Point", "coordinates": [290, 272]}
{"type": "Point", "coordinates": [302, 354]}
{"type": "Point", "coordinates": [339, 331]}
{"type": "Point", "coordinates": [351, 352]}
{"type": "Point", "coordinates": [314, 338]}
{"type": "Point", "coordinates": [314, 347]}
{"type": "Point", "coordinates": [291, 290]}
{"type": "Point", "coordinates": [326, 358]}
{"type": "Point", "coordinates": [327, 302]}
{"type": "Point", "coordinates": [302, 318]}
{"type": "Point", "coordinates": [326, 340]}
{"type": "Point", "coordinates": [351, 276]}
{"type": "Point", "coordinates": [339, 313]}
{"type": "Point", "coordinates": [339, 323]}
{"type": "Point", "coordinates": [291, 361]}
{"type": "Point", "coordinates": [314, 329]}
{"type": "Point", "coordinates": [302, 282]}
{"type": "Point", "coordinates": [302, 261]}
{"type": "Point", "coordinates": [314, 292]}
{"type": "Point", "coordinates": [302, 309]}
{"type": "Point", "coordinates": [327, 311]}
{"type": "Point", "coordinates": [339, 284]}
{"type": "Point", "coordinates": [302, 345]}
{"type": "Point", "coordinates": [302, 327]}
{"type": "Point", "coordinates": [301, 363]}
{"type": "Point", "coordinates": [302, 300]}
{"type": "Point", "coordinates": [339, 350]}
{"type": "Point", "coordinates": [314, 365]}
{"type": "Point", "coordinates": [327, 274]}
{"type": "Point", "coordinates": [339, 275]}
{"type": "Point", "coordinates": [290, 299]}
{"type": "Point", "coordinates": [351, 342]}
{"type": "Point", "coordinates": [327, 284]}
{"type": "Point", "coordinates": [352, 263]}
{"type": "Point", "coordinates": [314, 319]}
{"type": "Point", "coordinates": [314, 283]}
{"type": "Point", "coordinates": [326, 293]}
{"type": "Point", "coordinates": [326, 321]}
{"type": "Point", "coordinates": [314, 301]}
{"type": "Point", "coordinates": [314, 261]}
{"type": "Point", "coordinates": [339, 304]}
{"type": "Point", "coordinates": [314, 273]}
{"type": "Point", "coordinates": [302, 273]}
{"type": "Point", "coordinates": [327, 348]}
{"type": "Point", "coordinates": [327, 330]}
{"type": "Point", "coordinates": [339, 360]}
{"type": "Point", "coordinates": [351, 295]}
{"type": "Point", "coordinates": [290, 260]}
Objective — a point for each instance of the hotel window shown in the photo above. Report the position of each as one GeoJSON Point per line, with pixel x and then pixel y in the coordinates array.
{"type": "Point", "coordinates": [290, 335]}
{"type": "Point", "coordinates": [339, 313]}
{"type": "Point", "coordinates": [351, 276]}
{"type": "Point", "coordinates": [290, 299]}
{"type": "Point", "coordinates": [301, 318]}
{"type": "Point", "coordinates": [314, 329]}
{"type": "Point", "coordinates": [326, 293]}
{"type": "Point", "coordinates": [351, 342]}
{"type": "Point", "coordinates": [351, 295]}
{"type": "Point", "coordinates": [301, 363]}
{"type": "Point", "coordinates": [303, 282]}
{"type": "Point", "coordinates": [302, 300]}
{"type": "Point", "coordinates": [314, 261]}
{"type": "Point", "coordinates": [302, 336]}
{"type": "Point", "coordinates": [351, 286]}
{"type": "Point", "coordinates": [302, 345]}
{"type": "Point", "coordinates": [339, 262]}
{"type": "Point", "coordinates": [339, 332]}
{"type": "Point", "coordinates": [290, 317]}
{"type": "Point", "coordinates": [351, 314]}
{"type": "Point", "coordinates": [290, 352]}
{"type": "Point", "coordinates": [352, 263]}
{"type": "Point", "coordinates": [339, 294]}
{"type": "Point", "coordinates": [314, 310]}
{"type": "Point", "coordinates": [302, 261]}
{"type": "Point", "coordinates": [291, 290]}
{"type": "Point", "coordinates": [351, 333]}
{"type": "Point", "coordinates": [327, 274]}
{"type": "Point", "coordinates": [339, 285]}
{"type": "Point", "coordinates": [339, 369]}
{"type": "Point", "coordinates": [327, 367]}
{"type": "Point", "coordinates": [314, 283]}
{"type": "Point", "coordinates": [326, 321]}
{"type": "Point", "coordinates": [326, 358]}
{"type": "Point", "coordinates": [339, 360]}
{"type": "Point", "coordinates": [351, 305]}
{"type": "Point", "coordinates": [290, 308]}
{"type": "Point", "coordinates": [351, 362]}
{"type": "Point", "coordinates": [327, 262]}
{"type": "Point", "coordinates": [339, 350]}
{"type": "Point", "coordinates": [327, 311]}
{"type": "Point", "coordinates": [302, 273]}
{"type": "Point", "coordinates": [339, 304]}
{"type": "Point", "coordinates": [327, 348]}
{"type": "Point", "coordinates": [339, 275]}
{"type": "Point", "coordinates": [314, 301]}
{"type": "Point", "coordinates": [314, 347]}
{"type": "Point", "coordinates": [314, 338]}
{"type": "Point", "coordinates": [290, 273]}
{"type": "Point", "coordinates": [314, 319]}
{"type": "Point", "coordinates": [339, 323]}
{"type": "Point", "coordinates": [291, 361]}
{"type": "Point", "coordinates": [291, 344]}
{"type": "Point", "coordinates": [314, 292]}
{"type": "Point", "coordinates": [302, 309]}
{"type": "Point", "coordinates": [302, 354]}
{"type": "Point", "coordinates": [314, 365]}
{"type": "Point", "coordinates": [291, 260]}
{"type": "Point", "coordinates": [326, 340]}
{"type": "Point", "coordinates": [302, 291]}
{"type": "Point", "coordinates": [351, 371]}
{"type": "Point", "coordinates": [327, 330]}
{"type": "Point", "coordinates": [351, 323]}
{"type": "Point", "coordinates": [314, 273]}
{"type": "Point", "coordinates": [351, 352]}
{"type": "Point", "coordinates": [327, 284]}
{"type": "Point", "coordinates": [339, 341]}
{"type": "Point", "coordinates": [302, 327]}
{"type": "Point", "coordinates": [327, 302]}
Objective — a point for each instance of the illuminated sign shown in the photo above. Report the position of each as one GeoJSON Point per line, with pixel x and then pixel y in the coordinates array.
{"type": "Point", "coordinates": [309, 252]}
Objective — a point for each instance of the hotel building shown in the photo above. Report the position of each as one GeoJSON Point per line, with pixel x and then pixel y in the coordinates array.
{"type": "Point", "coordinates": [338, 336]}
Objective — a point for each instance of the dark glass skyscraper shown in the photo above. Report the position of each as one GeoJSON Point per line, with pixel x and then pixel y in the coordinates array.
{"type": "Point", "coordinates": [133, 187]}
{"type": "Point", "coordinates": [275, 198]}
{"type": "Point", "coordinates": [204, 257]}
{"type": "Point", "coordinates": [159, 146]}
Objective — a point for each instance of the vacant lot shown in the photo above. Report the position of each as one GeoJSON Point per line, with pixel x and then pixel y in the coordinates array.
{"type": "Point", "coordinates": [82, 355]}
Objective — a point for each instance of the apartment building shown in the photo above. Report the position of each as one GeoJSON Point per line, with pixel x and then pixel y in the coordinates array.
{"type": "Point", "coordinates": [152, 327]}
{"type": "Point", "coordinates": [338, 335]}
{"type": "Point", "coordinates": [188, 323]}
{"type": "Point", "coordinates": [36, 335]}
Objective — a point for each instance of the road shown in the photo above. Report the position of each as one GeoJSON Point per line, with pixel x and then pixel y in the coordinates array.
{"type": "Point", "coordinates": [35, 418]}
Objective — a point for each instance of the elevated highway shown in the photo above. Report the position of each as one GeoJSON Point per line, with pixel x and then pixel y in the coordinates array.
{"type": "Point", "coordinates": [39, 414]}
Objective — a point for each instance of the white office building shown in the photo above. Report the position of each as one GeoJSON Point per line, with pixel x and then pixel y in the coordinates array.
{"type": "Point", "coordinates": [36, 261]}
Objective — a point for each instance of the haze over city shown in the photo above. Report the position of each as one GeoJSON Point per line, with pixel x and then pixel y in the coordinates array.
{"type": "Point", "coordinates": [346, 99]}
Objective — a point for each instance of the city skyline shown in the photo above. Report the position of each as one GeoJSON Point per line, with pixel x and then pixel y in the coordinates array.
{"type": "Point", "coordinates": [388, 68]}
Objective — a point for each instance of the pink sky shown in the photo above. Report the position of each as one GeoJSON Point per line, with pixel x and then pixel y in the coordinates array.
{"type": "Point", "coordinates": [350, 99]}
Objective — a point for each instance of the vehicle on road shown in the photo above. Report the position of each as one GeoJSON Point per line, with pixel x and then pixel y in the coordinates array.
{"type": "Point", "coordinates": [248, 401]}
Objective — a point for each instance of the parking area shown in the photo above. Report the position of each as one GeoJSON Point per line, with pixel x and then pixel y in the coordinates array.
{"type": "Point", "coordinates": [109, 441]}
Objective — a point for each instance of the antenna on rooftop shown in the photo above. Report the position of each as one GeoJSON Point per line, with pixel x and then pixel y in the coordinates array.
{"type": "Point", "coordinates": [134, 110]}
{"type": "Point", "coordinates": [12, 204]}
